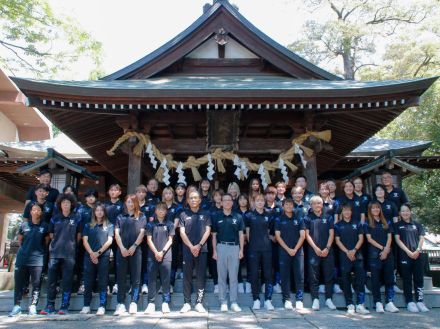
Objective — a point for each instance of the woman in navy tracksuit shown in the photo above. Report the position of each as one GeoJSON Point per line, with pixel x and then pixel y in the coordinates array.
{"type": "Point", "coordinates": [409, 236]}
{"type": "Point", "coordinates": [258, 225]}
{"type": "Point", "coordinates": [129, 234]}
{"type": "Point", "coordinates": [64, 229]}
{"type": "Point", "coordinates": [379, 236]}
{"type": "Point", "coordinates": [34, 237]}
{"type": "Point", "coordinates": [349, 238]}
{"type": "Point", "coordinates": [97, 239]}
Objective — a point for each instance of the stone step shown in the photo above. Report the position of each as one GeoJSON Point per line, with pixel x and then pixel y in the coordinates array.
{"type": "Point", "coordinates": [432, 299]}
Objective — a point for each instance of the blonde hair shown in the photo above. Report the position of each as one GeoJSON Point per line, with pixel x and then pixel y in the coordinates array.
{"type": "Point", "coordinates": [235, 186]}
{"type": "Point", "coordinates": [316, 198]}
{"type": "Point", "coordinates": [168, 189]}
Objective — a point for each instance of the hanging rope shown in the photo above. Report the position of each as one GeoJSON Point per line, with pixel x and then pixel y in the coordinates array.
{"type": "Point", "coordinates": [219, 156]}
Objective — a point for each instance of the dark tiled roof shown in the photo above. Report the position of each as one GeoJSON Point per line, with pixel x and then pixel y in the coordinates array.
{"type": "Point", "coordinates": [377, 146]}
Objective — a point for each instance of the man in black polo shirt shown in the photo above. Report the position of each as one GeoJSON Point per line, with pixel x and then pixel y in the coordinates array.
{"type": "Point", "coordinates": [227, 244]}
{"type": "Point", "coordinates": [45, 177]}
{"type": "Point", "coordinates": [41, 192]}
{"type": "Point", "coordinates": [195, 228]}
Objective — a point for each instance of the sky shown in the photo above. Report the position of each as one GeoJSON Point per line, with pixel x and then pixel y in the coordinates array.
{"type": "Point", "coordinates": [130, 29]}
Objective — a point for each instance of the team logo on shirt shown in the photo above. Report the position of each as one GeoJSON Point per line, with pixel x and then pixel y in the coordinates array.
{"type": "Point", "coordinates": [187, 218]}
{"type": "Point", "coordinates": [388, 206]}
{"type": "Point", "coordinates": [266, 218]}
{"type": "Point", "coordinates": [295, 222]}
{"type": "Point", "coordinates": [234, 221]}
{"type": "Point", "coordinates": [72, 222]}
{"type": "Point", "coordinates": [395, 194]}
{"type": "Point", "coordinates": [118, 207]}
{"type": "Point", "coordinates": [357, 203]}
{"type": "Point", "coordinates": [324, 220]}
{"type": "Point", "coordinates": [354, 226]}
{"type": "Point", "coordinates": [41, 229]}
{"type": "Point", "coordinates": [105, 229]}
{"type": "Point", "coordinates": [330, 206]}
{"type": "Point", "coordinates": [165, 228]}
{"type": "Point", "coordinates": [201, 217]}
{"type": "Point", "coordinates": [414, 227]}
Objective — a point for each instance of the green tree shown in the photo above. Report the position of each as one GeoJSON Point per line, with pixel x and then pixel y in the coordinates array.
{"type": "Point", "coordinates": [33, 40]}
{"type": "Point", "coordinates": [353, 29]}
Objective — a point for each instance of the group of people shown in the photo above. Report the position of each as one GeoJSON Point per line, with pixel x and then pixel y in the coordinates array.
{"type": "Point", "coordinates": [271, 233]}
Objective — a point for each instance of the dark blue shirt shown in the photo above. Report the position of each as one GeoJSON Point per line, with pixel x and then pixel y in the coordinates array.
{"type": "Point", "coordinates": [148, 210]}
{"type": "Point", "coordinates": [45, 216]}
{"type": "Point", "coordinates": [98, 235]}
{"type": "Point", "coordinates": [228, 227]}
{"type": "Point", "coordinates": [129, 228]}
{"type": "Point", "coordinates": [379, 234]}
{"type": "Point", "coordinates": [65, 230]}
{"type": "Point", "coordinates": [160, 233]}
{"type": "Point", "coordinates": [85, 212]}
{"type": "Point", "coordinates": [114, 210]}
{"type": "Point", "coordinates": [409, 234]}
{"type": "Point", "coordinates": [319, 229]}
{"type": "Point", "coordinates": [33, 245]}
{"type": "Point", "coordinates": [195, 224]}
{"type": "Point", "coordinates": [259, 227]}
{"type": "Point", "coordinates": [206, 202]}
{"type": "Point", "coordinates": [152, 198]}
{"type": "Point", "coordinates": [301, 210]}
{"type": "Point", "coordinates": [348, 233]}
{"type": "Point", "coordinates": [398, 196]}
{"type": "Point", "coordinates": [389, 210]}
{"type": "Point", "coordinates": [290, 229]}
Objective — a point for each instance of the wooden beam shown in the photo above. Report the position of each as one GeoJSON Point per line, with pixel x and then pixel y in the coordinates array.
{"type": "Point", "coordinates": [134, 168]}
{"type": "Point", "coordinates": [311, 173]}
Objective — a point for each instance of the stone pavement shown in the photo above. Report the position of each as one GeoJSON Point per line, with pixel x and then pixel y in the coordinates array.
{"type": "Point", "coordinates": [278, 319]}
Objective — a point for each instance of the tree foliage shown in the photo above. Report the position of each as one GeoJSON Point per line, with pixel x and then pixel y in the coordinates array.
{"type": "Point", "coordinates": [34, 40]}
{"type": "Point", "coordinates": [353, 29]}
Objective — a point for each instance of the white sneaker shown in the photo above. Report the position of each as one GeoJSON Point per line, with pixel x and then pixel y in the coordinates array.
{"type": "Point", "coordinates": [165, 308]}
{"type": "Point", "coordinates": [257, 304]}
{"type": "Point", "coordinates": [299, 305]}
{"type": "Point", "coordinates": [100, 311]}
{"type": "Point", "coordinates": [277, 288]}
{"type": "Point", "coordinates": [330, 304]}
{"type": "Point", "coordinates": [367, 291]}
{"type": "Point", "coordinates": [288, 305]}
{"type": "Point", "coordinates": [151, 308]}
{"type": "Point", "coordinates": [115, 289]}
{"type": "Point", "coordinates": [224, 307]}
{"type": "Point", "coordinates": [263, 286]}
{"type": "Point", "coordinates": [337, 289]}
{"type": "Point", "coordinates": [144, 289]}
{"type": "Point", "coordinates": [321, 289]}
{"type": "Point", "coordinates": [422, 307]}
{"type": "Point", "coordinates": [315, 304]}
{"type": "Point", "coordinates": [390, 307]}
{"type": "Point", "coordinates": [216, 289]}
{"type": "Point", "coordinates": [32, 310]}
{"type": "Point", "coordinates": [235, 307]}
{"type": "Point", "coordinates": [120, 310]}
{"type": "Point", "coordinates": [248, 288]}
{"type": "Point", "coordinates": [350, 309]}
{"type": "Point", "coordinates": [199, 308]}
{"type": "Point", "coordinates": [185, 308]}
{"type": "Point", "coordinates": [379, 308]}
{"type": "Point", "coordinates": [85, 310]}
{"type": "Point", "coordinates": [268, 305]}
{"type": "Point", "coordinates": [397, 289]}
{"type": "Point", "coordinates": [240, 288]}
{"type": "Point", "coordinates": [360, 308]}
{"type": "Point", "coordinates": [412, 307]}
{"type": "Point", "coordinates": [133, 308]}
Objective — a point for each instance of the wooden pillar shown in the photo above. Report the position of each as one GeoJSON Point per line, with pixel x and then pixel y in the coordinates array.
{"type": "Point", "coordinates": [134, 167]}
{"type": "Point", "coordinates": [311, 174]}
{"type": "Point", "coordinates": [4, 224]}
